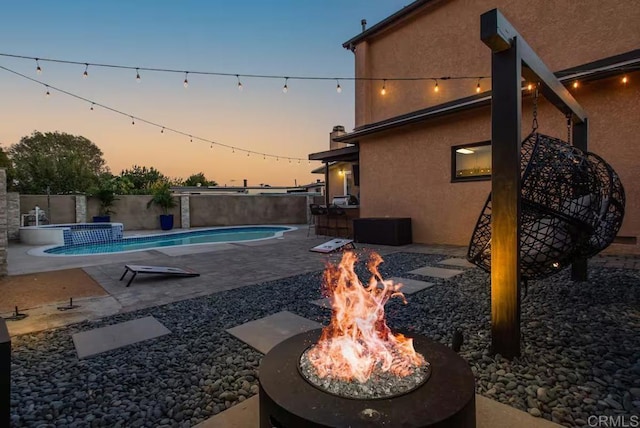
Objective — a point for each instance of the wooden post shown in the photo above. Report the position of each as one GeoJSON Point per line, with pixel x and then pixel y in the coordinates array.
{"type": "Point", "coordinates": [506, 118]}
{"type": "Point", "coordinates": [511, 59]}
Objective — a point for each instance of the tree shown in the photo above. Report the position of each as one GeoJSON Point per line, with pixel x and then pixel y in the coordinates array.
{"type": "Point", "coordinates": [56, 162]}
{"type": "Point", "coordinates": [194, 179]}
{"type": "Point", "coordinates": [6, 163]}
{"type": "Point", "coordinates": [142, 178]}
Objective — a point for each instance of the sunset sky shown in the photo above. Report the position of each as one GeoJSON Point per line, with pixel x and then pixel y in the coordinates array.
{"type": "Point", "coordinates": [277, 37]}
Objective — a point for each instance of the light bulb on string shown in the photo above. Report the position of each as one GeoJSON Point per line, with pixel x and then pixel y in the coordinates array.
{"type": "Point", "coordinates": [248, 153]}
{"type": "Point", "coordinates": [47, 93]}
{"type": "Point", "coordinates": [239, 83]}
{"type": "Point", "coordinates": [575, 84]}
{"type": "Point", "coordinates": [186, 79]}
{"type": "Point", "coordinates": [38, 69]}
{"type": "Point", "coordinates": [264, 156]}
{"type": "Point", "coordinates": [478, 89]}
{"type": "Point", "coordinates": [138, 75]}
{"type": "Point", "coordinates": [233, 150]}
{"type": "Point", "coordinates": [190, 139]}
{"type": "Point", "coordinates": [162, 130]}
{"type": "Point", "coordinates": [133, 122]}
{"type": "Point", "coordinates": [383, 91]}
{"type": "Point", "coordinates": [92, 104]}
{"type": "Point", "coordinates": [285, 88]}
{"type": "Point", "coordinates": [338, 87]}
{"type": "Point", "coordinates": [436, 88]}
{"type": "Point", "coordinates": [625, 80]}
{"type": "Point", "coordinates": [86, 71]}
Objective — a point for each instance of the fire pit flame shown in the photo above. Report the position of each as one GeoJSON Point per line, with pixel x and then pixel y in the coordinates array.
{"type": "Point", "coordinates": [358, 343]}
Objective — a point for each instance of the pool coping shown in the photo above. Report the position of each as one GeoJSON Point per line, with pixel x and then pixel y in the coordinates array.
{"type": "Point", "coordinates": [41, 251]}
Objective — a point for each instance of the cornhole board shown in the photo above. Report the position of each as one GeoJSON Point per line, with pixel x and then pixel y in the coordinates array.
{"type": "Point", "coordinates": [334, 245]}
{"type": "Point", "coordinates": [157, 270]}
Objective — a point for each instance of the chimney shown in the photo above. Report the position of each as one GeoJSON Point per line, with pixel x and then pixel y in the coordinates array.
{"type": "Point", "coordinates": [338, 130]}
{"type": "Point", "coordinates": [364, 25]}
{"type": "Point", "coordinates": [245, 182]}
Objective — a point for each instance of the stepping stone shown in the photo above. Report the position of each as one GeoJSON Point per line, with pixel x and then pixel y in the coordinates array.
{"type": "Point", "coordinates": [436, 272]}
{"type": "Point", "coordinates": [103, 339]}
{"type": "Point", "coordinates": [325, 302]}
{"type": "Point", "coordinates": [410, 286]}
{"type": "Point", "coordinates": [265, 333]}
{"type": "Point", "coordinates": [457, 262]}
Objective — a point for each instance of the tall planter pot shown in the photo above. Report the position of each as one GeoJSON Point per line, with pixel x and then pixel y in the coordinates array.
{"type": "Point", "coordinates": [166, 221]}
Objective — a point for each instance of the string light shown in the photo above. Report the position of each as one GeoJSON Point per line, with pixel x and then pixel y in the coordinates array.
{"type": "Point", "coordinates": [338, 87]}
{"type": "Point", "coordinates": [86, 71]}
{"type": "Point", "coordinates": [435, 88]}
{"type": "Point", "coordinates": [93, 104]}
{"type": "Point", "coordinates": [285, 88]}
{"type": "Point", "coordinates": [186, 79]}
{"type": "Point", "coordinates": [190, 139]}
{"type": "Point", "coordinates": [239, 83]}
{"type": "Point", "coordinates": [137, 75]}
{"type": "Point", "coordinates": [530, 87]}
{"type": "Point", "coordinates": [38, 69]}
{"type": "Point", "coordinates": [575, 84]}
{"type": "Point", "coordinates": [383, 91]}
{"type": "Point", "coordinates": [625, 79]}
{"type": "Point", "coordinates": [478, 89]}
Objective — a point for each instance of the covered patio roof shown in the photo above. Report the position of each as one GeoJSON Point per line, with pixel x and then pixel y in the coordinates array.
{"type": "Point", "coordinates": [345, 154]}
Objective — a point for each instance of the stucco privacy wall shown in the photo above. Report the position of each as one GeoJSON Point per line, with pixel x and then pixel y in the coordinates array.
{"type": "Point", "coordinates": [415, 180]}
{"type": "Point", "coordinates": [204, 210]}
{"type": "Point", "coordinates": [59, 208]}
{"type": "Point", "coordinates": [443, 39]}
{"type": "Point", "coordinates": [222, 210]}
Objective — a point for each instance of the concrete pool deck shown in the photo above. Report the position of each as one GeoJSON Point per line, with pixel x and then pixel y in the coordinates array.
{"type": "Point", "coordinates": [221, 267]}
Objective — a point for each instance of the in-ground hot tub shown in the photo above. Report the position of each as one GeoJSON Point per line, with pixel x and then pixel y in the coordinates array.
{"type": "Point", "coordinates": [70, 234]}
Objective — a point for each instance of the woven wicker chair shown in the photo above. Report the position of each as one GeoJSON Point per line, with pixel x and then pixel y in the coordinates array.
{"type": "Point", "coordinates": [572, 206]}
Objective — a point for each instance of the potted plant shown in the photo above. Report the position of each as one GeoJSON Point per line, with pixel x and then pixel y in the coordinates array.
{"type": "Point", "coordinates": [162, 197]}
{"type": "Point", "coordinates": [107, 197]}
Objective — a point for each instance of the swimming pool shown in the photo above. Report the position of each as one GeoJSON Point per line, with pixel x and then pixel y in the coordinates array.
{"type": "Point", "coordinates": [147, 242]}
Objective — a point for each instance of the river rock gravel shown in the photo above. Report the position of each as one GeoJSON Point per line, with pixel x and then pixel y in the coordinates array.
{"type": "Point", "coordinates": [580, 351]}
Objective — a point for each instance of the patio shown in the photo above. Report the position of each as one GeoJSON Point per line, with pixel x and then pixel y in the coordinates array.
{"type": "Point", "coordinates": [200, 368]}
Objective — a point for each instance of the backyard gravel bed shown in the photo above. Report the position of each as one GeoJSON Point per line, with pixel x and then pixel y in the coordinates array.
{"type": "Point", "coordinates": [580, 353]}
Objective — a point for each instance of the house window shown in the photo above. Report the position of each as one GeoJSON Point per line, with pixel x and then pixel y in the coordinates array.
{"type": "Point", "coordinates": [471, 162]}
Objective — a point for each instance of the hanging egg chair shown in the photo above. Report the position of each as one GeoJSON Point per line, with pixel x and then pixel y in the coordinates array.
{"type": "Point", "coordinates": [572, 206]}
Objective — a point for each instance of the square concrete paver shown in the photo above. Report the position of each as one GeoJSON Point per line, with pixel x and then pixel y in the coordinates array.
{"type": "Point", "coordinates": [103, 339]}
{"type": "Point", "coordinates": [457, 262]}
{"type": "Point", "coordinates": [265, 333]}
{"type": "Point", "coordinates": [489, 414]}
{"type": "Point", "coordinates": [436, 272]}
{"type": "Point", "coordinates": [410, 286]}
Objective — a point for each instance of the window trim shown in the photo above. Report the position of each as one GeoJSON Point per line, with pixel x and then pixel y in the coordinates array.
{"type": "Point", "coordinates": [454, 178]}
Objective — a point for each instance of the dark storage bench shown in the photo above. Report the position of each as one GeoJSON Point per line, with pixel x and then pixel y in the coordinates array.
{"type": "Point", "coordinates": [383, 230]}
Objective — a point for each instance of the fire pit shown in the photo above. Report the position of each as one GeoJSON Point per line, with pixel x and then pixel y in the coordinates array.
{"type": "Point", "coordinates": [355, 372]}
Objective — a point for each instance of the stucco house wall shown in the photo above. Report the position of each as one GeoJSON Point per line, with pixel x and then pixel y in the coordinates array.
{"type": "Point", "coordinates": [443, 39]}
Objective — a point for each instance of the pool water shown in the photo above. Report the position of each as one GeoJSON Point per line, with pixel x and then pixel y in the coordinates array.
{"type": "Point", "coordinates": [204, 236]}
